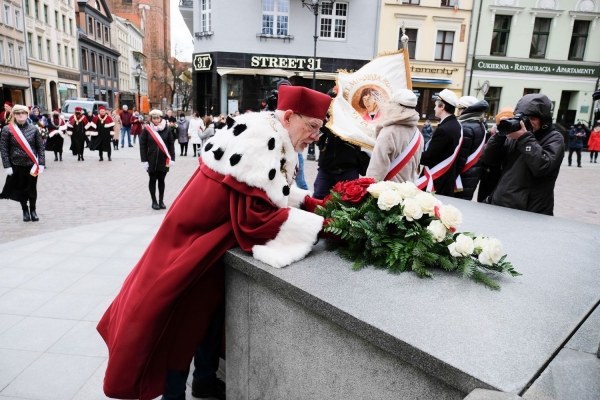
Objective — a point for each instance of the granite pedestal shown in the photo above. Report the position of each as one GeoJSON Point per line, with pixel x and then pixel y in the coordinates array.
{"type": "Point", "coordinates": [318, 330]}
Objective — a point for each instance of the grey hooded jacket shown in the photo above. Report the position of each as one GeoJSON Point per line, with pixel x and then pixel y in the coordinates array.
{"type": "Point", "coordinates": [530, 164]}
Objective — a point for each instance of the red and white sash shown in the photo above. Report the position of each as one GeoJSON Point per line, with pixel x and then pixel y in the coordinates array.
{"type": "Point", "coordinates": [35, 169]}
{"type": "Point", "coordinates": [161, 144]}
{"type": "Point", "coordinates": [399, 162]}
{"type": "Point", "coordinates": [425, 182]}
{"type": "Point", "coordinates": [472, 160]}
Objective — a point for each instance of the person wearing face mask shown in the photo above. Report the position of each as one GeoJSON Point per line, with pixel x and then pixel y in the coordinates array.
{"type": "Point", "coordinates": [56, 134]}
{"type": "Point", "coordinates": [77, 128]}
{"type": "Point", "coordinates": [101, 132]}
{"type": "Point", "coordinates": [182, 134]}
{"type": "Point", "coordinates": [23, 158]}
{"type": "Point", "coordinates": [157, 152]}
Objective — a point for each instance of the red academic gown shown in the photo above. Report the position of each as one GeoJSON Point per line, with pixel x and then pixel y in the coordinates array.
{"type": "Point", "coordinates": [170, 295]}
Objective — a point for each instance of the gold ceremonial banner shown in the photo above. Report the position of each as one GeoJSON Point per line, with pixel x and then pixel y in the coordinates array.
{"type": "Point", "coordinates": [354, 111]}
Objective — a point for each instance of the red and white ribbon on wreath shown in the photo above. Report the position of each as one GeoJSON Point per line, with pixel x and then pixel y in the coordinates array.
{"type": "Point", "coordinates": [35, 170]}
{"type": "Point", "coordinates": [472, 160]}
{"type": "Point", "coordinates": [161, 144]}
{"type": "Point", "coordinates": [399, 162]}
{"type": "Point", "coordinates": [430, 174]}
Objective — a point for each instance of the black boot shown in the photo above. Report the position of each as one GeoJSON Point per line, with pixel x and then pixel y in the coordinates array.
{"type": "Point", "coordinates": [55, 156]}
{"type": "Point", "coordinates": [161, 204]}
{"type": "Point", "coordinates": [34, 216]}
{"type": "Point", "coordinates": [109, 159]}
{"type": "Point", "coordinates": [78, 157]}
{"type": "Point", "coordinates": [101, 159]}
{"type": "Point", "coordinates": [60, 156]}
{"type": "Point", "coordinates": [155, 205]}
{"type": "Point", "coordinates": [26, 216]}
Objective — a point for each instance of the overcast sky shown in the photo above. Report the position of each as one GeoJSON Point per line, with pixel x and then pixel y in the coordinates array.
{"type": "Point", "coordinates": [180, 35]}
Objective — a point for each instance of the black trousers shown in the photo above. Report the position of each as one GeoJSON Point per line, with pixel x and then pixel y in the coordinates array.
{"type": "Point", "coordinates": [593, 155]}
{"type": "Point", "coordinates": [109, 152]}
{"type": "Point", "coordinates": [183, 147]}
{"type": "Point", "coordinates": [198, 147]}
{"type": "Point", "coordinates": [157, 177]}
{"type": "Point", "coordinates": [578, 151]}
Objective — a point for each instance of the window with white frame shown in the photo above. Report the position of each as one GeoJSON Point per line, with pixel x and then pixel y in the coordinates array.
{"type": "Point", "coordinates": [275, 17]}
{"type": "Point", "coordinates": [59, 58]}
{"type": "Point", "coordinates": [334, 17]}
{"type": "Point", "coordinates": [11, 54]}
{"type": "Point", "coordinates": [2, 52]}
{"type": "Point", "coordinates": [205, 23]}
{"type": "Point", "coordinates": [7, 16]}
{"type": "Point", "coordinates": [21, 57]}
{"type": "Point", "coordinates": [443, 45]}
{"type": "Point", "coordinates": [18, 20]}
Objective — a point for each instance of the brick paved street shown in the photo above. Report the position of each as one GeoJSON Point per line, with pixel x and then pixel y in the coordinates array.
{"type": "Point", "coordinates": [75, 193]}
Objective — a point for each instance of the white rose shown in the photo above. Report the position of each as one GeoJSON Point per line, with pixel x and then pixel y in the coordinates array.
{"type": "Point", "coordinates": [480, 243]}
{"type": "Point", "coordinates": [427, 202]}
{"type": "Point", "coordinates": [377, 188]}
{"type": "Point", "coordinates": [452, 248]}
{"type": "Point", "coordinates": [389, 199]}
{"type": "Point", "coordinates": [450, 216]}
{"type": "Point", "coordinates": [491, 252]}
{"type": "Point", "coordinates": [412, 210]}
{"type": "Point", "coordinates": [464, 245]}
{"type": "Point", "coordinates": [406, 189]}
{"type": "Point", "coordinates": [438, 230]}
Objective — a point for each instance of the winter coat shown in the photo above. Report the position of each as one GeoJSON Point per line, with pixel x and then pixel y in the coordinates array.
{"type": "Point", "coordinates": [182, 130]}
{"type": "Point", "coordinates": [427, 132]}
{"type": "Point", "coordinates": [126, 118]}
{"type": "Point", "coordinates": [149, 149]}
{"type": "Point", "coordinates": [441, 146]}
{"type": "Point", "coordinates": [195, 128]}
{"type": "Point", "coordinates": [118, 125]}
{"type": "Point", "coordinates": [207, 134]}
{"type": "Point", "coordinates": [474, 132]}
{"type": "Point", "coordinates": [594, 140]}
{"type": "Point", "coordinates": [393, 136]}
{"type": "Point", "coordinates": [530, 164]}
{"type": "Point", "coordinates": [136, 125]}
{"type": "Point", "coordinates": [13, 154]}
{"type": "Point", "coordinates": [336, 155]}
{"type": "Point", "coordinates": [576, 142]}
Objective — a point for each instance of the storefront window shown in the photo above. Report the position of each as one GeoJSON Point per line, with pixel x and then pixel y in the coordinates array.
{"type": "Point", "coordinates": [39, 92]}
{"type": "Point", "coordinates": [493, 98]}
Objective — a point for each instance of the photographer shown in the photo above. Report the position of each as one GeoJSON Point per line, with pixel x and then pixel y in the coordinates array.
{"type": "Point", "coordinates": [530, 151]}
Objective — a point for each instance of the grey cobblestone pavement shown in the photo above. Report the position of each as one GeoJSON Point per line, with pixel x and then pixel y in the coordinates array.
{"type": "Point", "coordinates": [72, 193]}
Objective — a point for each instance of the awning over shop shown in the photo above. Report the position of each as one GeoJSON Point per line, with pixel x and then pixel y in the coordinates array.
{"type": "Point", "coordinates": [436, 81]}
{"type": "Point", "coordinates": [62, 87]}
{"type": "Point", "coordinates": [275, 72]}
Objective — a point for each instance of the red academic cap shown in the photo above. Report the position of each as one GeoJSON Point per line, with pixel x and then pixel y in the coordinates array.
{"type": "Point", "coordinates": [101, 108]}
{"type": "Point", "coordinates": [303, 101]}
{"type": "Point", "coordinates": [78, 109]}
{"type": "Point", "coordinates": [56, 110]}
{"type": "Point", "coordinates": [8, 103]}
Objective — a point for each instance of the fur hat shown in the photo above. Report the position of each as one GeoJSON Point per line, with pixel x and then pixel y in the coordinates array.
{"type": "Point", "coordinates": [405, 98]}
{"type": "Point", "coordinates": [155, 113]}
{"type": "Point", "coordinates": [449, 97]}
{"type": "Point", "coordinates": [18, 107]}
{"type": "Point", "coordinates": [507, 112]}
{"type": "Point", "coordinates": [467, 101]}
{"type": "Point", "coordinates": [303, 101]}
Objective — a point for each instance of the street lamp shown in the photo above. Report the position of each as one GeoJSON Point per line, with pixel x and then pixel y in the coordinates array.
{"type": "Point", "coordinates": [313, 5]}
{"type": "Point", "coordinates": [138, 72]}
{"type": "Point", "coordinates": [177, 96]}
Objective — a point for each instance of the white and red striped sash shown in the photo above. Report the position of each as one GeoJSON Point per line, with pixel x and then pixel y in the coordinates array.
{"type": "Point", "coordinates": [35, 169]}
{"type": "Point", "coordinates": [425, 181]}
{"type": "Point", "coordinates": [471, 160]}
{"type": "Point", "coordinates": [399, 162]}
{"type": "Point", "coordinates": [161, 144]}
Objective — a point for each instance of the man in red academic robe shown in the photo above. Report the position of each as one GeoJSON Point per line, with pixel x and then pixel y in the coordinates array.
{"type": "Point", "coordinates": [77, 128]}
{"type": "Point", "coordinates": [101, 130]}
{"type": "Point", "coordinates": [245, 195]}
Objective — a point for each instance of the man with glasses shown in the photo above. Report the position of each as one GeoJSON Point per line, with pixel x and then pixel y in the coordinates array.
{"type": "Point", "coordinates": [242, 194]}
{"type": "Point", "coordinates": [441, 153]}
{"type": "Point", "coordinates": [23, 159]}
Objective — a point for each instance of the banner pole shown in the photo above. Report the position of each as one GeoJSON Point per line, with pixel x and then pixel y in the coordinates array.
{"type": "Point", "coordinates": [404, 40]}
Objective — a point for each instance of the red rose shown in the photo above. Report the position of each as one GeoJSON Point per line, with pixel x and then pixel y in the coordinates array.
{"type": "Point", "coordinates": [339, 187]}
{"type": "Point", "coordinates": [354, 193]}
{"type": "Point", "coordinates": [363, 182]}
{"type": "Point", "coordinates": [327, 199]}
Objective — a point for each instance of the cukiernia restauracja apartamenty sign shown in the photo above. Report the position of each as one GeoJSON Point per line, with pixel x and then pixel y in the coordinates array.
{"type": "Point", "coordinates": [535, 68]}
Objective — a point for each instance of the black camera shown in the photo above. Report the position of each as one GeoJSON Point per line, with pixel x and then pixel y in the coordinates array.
{"type": "Point", "coordinates": [510, 125]}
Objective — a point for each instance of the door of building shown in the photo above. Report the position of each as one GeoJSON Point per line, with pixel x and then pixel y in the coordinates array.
{"type": "Point", "coordinates": [53, 95]}
{"type": "Point", "coordinates": [566, 108]}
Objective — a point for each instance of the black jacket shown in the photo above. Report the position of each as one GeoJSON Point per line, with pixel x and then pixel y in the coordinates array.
{"type": "Point", "coordinates": [336, 155]}
{"type": "Point", "coordinates": [473, 135]}
{"type": "Point", "coordinates": [149, 151]}
{"type": "Point", "coordinates": [12, 152]}
{"type": "Point", "coordinates": [441, 146]}
{"type": "Point", "coordinates": [530, 164]}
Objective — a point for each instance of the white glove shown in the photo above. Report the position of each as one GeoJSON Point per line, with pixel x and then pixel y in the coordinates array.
{"type": "Point", "coordinates": [146, 165]}
{"type": "Point", "coordinates": [9, 171]}
{"type": "Point", "coordinates": [41, 169]}
{"type": "Point", "coordinates": [171, 163]}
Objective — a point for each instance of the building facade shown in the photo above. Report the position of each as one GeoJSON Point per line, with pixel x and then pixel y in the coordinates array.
{"type": "Point", "coordinates": [14, 70]}
{"type": "Point", "coordinates": [277, 42]}
{"type": "Point", "coordinates": [536, 46]}
{"type": "Point", "coordinates": [438, 36]}
{"type": "Point", "coordinates": [156, 43]}
{"type": "Point", "coordinates": [99, 58]}
{"type": "Point", "coordinates": [133, 80]}
{"type": "Point", "coordinates": [51, 35]}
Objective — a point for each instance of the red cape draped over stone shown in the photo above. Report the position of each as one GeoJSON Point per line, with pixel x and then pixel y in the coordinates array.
{"type": "Point", "coordinates": [162, 311]}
